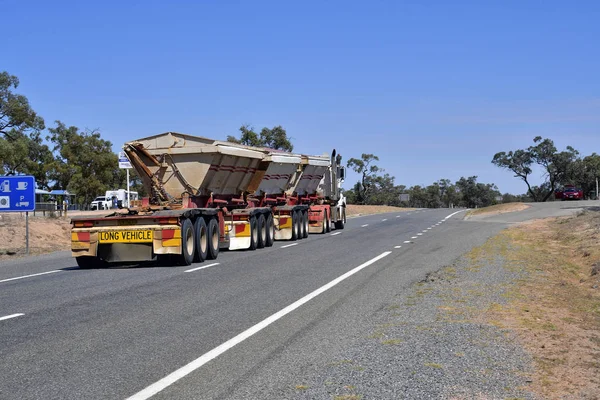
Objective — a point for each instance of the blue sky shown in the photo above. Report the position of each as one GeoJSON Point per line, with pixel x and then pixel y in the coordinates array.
{"type": "Point", "coordinates": [434, 88]}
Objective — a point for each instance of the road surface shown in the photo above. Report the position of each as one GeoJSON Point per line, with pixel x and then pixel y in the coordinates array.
{"type": "Point", "coordinates": [249, 325]}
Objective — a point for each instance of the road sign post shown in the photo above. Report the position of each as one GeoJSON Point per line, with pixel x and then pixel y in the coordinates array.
{"type": "Point", "coordinates": [124, 163]}
{"type": "Point", "coordinates": [17, 194]}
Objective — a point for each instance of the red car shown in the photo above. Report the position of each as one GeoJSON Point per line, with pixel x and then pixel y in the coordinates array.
{"type": "Point", "coordinates": [572, 193]}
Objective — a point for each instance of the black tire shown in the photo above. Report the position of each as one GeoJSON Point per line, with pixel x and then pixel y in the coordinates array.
{"type": "Point", "coordinates": [305, 224]}
{"type": "Point", "coordinates": [188, 245]}
{"type": "Point", "coordinates": [270, 231]}
{"type": "Point", "coordinates": [327, 222]}
{"type": "Point", "coordinates": [201, 236]}
{"type": "Point", "coordinates": [253, 233]}
{"type": "Point", "coordinates": [294, 225]}
{"type": "Point", "coordinates": [262, 231]}
{"type": "Point", "coordinates": [342, 222]}
{"type": "Point", "coordinates": [89, 262]}
{"type": "Point", "coordinates": [213, 239]}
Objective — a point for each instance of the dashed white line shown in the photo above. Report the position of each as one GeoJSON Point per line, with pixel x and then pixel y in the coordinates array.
{"type": "Point", "coordinates": [397, 247]}
{"type": "Point", "coordinates": [362, 226]}
{"type": "Point", "coordinates": [289, 245]}
{"type": "Point", "coordinates": [217, 351]}
{"type": "Point", "coordinates": [202, 267]}
{"type": "Point", "coordinates": [413, 237]}
{"type": "Point", "coordinates": [397, 216]}
{"type": "Point", "coordinates": [407, 241]}
{"type": "Point", "coordinates": [10, 316]}
{"type": "Point", "coordinates": [335, 233]}
{"type": "Point", "coordinates": [383, 220]}
{"type": "Point", "coordinates": [424, 231]}
{"type": "Point", "coordinates": [419, 234]}
{"type": "Point", "coordinates": [29, 276]}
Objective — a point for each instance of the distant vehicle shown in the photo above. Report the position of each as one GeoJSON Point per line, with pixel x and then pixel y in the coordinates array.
{"type": "Point", "coordinates": [113, 199]}
{"type": "Point", "coordinates": [120, 197]}
{"type": "Point", "coordinates": [100, 203]}
{"type": "Point", "coordinates": [572, 193]}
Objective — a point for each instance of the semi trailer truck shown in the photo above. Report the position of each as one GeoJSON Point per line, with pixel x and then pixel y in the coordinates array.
{"type": "Point", "coordinates": [207, 195]}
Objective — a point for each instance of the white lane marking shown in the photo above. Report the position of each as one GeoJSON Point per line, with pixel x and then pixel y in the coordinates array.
{"type": "Point", "coordinates": [29, 276]}
{"type": "Point", "coordinates": [362, 226]}
{"type": "Point", "coordinates": [217, 351]}
{"type": "Point", "coordinates": [424, 231]}
{"type": "Point", "coordinates": [397, 216]}
{"type": "Point", "coordinates": [419, 234]}
{"type": "Point", "coordinates": [10, 316]}
{"type": "Point", "coordinates": [429, 229]}
{"type": "Point", "coordinates": [383, 220]}
{"type": "Point", "coordinates": [289, 245]}
{"type": "Point", "coordinates": [336, 233]}
{"type": "Point", "coordinates": [454, 213]}
{"type": "Point", "coordinates": [204, 266]}
{"type": "Point", "coordinates": [397, 247]}
{"type": "Point", "coordinates": [413, 237]}
{"type": "Point", "coordinates": [407, 241]}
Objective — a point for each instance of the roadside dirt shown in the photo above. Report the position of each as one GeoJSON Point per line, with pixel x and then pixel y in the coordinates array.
{"type": "Point", "coordinates": [48, 234]}
{"type": "Point", "coordinates": [555, 311]}
{"type": "Point", "coordinates": [497, 209]}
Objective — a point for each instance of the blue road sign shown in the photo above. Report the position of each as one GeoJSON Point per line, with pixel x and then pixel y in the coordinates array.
{"type": "Point", "coordinates": [17, 193]}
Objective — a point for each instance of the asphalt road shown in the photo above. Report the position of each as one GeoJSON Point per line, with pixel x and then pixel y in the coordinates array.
{"type": "Point", "coordinates": [248, 327]}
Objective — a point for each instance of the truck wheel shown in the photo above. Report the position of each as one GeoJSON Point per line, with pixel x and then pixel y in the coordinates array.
{"type": "Point", "coordinates": [305, 224]}
{"type": "Point", "coordinates": [88, 262]}
{"type": "Point", "coordinates": [201, 235]}
{"type": "Point", "coordinates": [187, 243]}
{"type": "Point", "coordinates": [327, 223]}
{"type": "Point", "coordinates": [262, 231]}
{"type": "Point", "coordinates": [342, 222]}
{"type": "Point", "coordinates": [213, 239]}
{"type": "Point", "coordinates": [294, 225]}
{"type": "Point", "coordinates": [270, 231]}
{"type": "Point", "coordinates": [253, 233]}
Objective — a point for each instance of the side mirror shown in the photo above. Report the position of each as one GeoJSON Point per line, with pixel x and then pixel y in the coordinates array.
{"type": "Point", "coordinates": [342, 174]}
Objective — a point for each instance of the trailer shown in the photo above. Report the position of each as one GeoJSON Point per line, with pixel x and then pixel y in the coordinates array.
{"type": "Point", "coordinates": [207, 195]}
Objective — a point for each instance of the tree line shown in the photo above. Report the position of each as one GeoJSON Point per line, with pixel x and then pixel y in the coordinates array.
{"type": "Point", "coordinates": [80, 161]}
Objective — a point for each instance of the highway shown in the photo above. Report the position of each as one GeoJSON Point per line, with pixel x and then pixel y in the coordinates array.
{"type": "Point", "coordinates": [249, 325]}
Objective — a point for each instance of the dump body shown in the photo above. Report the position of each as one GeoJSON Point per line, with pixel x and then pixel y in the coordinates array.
{"type": "Point", "coordinates": [210, 194]}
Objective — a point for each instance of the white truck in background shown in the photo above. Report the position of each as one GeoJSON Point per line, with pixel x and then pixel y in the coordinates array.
{"type": "Point", "coordinates": [107, 201]}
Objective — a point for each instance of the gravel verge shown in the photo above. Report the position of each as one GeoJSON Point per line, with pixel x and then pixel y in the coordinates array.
{"type": "Point", "coordinates": [433, 342]}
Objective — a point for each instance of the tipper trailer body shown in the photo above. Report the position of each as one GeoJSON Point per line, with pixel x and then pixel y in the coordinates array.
{"type": "Point", "coordinates": [207, 195]}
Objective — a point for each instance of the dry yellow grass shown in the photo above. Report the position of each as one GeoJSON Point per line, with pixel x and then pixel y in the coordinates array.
{"type": "Point", "coordinates": [498, 209]}
{"type": "Point", "coordinates": [556, 311]}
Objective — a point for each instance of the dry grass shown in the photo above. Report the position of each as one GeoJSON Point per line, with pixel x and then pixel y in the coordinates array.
{"type": "Point", "coordinates": [498, 209]}
{"type": "Point", "coordinates": [355, 209]}
{"type": "Point", "coordinates": [556, 311]}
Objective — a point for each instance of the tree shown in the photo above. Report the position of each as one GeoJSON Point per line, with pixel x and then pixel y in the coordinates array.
{"type": "Point", "coordinates": [474, 194]}
{"type": "Point", "coordinates": [84, 163]}
{"type": "Point", "coordinates": [368, 172]}
{"type": "Point", "coordinates": [16, 115]}
{"type": "Point", "coordinates": [519, 162]}
{"type": "Point", "coordinates": [555, 164]}
{"type": "Point", "coordinates": [275, 138]}
{"type": "Point", "coordinates": [25, 154]}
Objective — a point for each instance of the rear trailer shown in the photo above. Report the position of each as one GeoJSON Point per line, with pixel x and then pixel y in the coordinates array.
{"type": "Point", "coordinates": [177, 237]}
